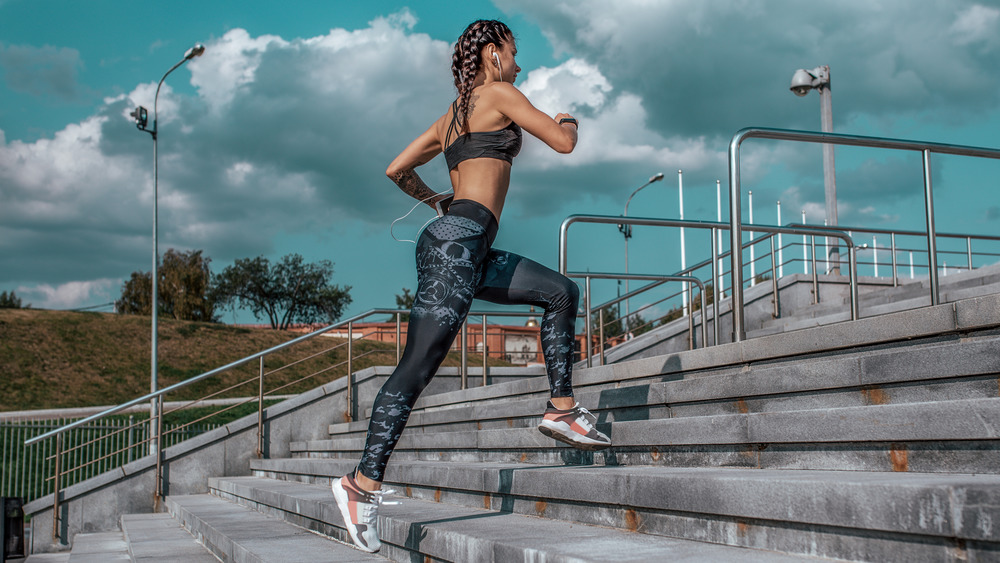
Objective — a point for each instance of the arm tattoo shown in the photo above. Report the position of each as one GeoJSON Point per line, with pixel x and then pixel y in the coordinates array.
{"type": "Point", "coordinates": [412, 185]}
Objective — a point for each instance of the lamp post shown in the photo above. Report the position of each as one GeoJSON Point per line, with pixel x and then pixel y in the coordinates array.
{"type": "Point", "coordinates": [627, 231]}
{"type": "Point", "coordinates": [141, 121]}
{"type": "Point", "coordinates": [819, 79]}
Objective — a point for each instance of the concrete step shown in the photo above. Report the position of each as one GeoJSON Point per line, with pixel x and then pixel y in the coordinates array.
{"type": "Point", "coordinates": [158, 538]}
{"type": "Point", "coordinates": [888, 516]}
{"type": "Point", "coordinates": [102, 547]}
{"type": "Point", "coordinates": [737, 407]}
{"type": "Point", "coordinates": [888, 300]}
{"type": "Point", "coordinates": [425, 529]}
{"type": "Point", "coordinates": [963, 437]}
{"type": "Point", "coordinates": [236, 533]}
{"type": "Point", "coordinates": [44, 558]}
{"type": "Point", "coordinates": [913, 371]}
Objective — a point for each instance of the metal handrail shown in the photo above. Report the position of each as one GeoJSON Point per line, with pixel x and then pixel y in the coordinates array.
{"type": "Point", "coordinates": [735, 194]}
{"type": "Point", "coordinates": [714, 226]}
{"type": "Point", "coordinates": [587, 276]}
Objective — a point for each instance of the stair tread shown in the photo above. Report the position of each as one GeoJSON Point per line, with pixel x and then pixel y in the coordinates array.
{"type": "Point", "coordinates": [891, 501]}
{"type": "Point", "coordinates": [156, 538]}
{"type": "Point", "coordinates": [101, 547]}
{"type": "Point", "coordinates": [248, 535]}
{"type": "Point", "coordinates": [444, 531]}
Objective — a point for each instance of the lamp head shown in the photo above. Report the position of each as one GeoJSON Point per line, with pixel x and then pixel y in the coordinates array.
{"type": "Point", "coordinates": [196, 51]}
{"type": "Point", "coordinates": [802, 82]}
{"type": "Point", "coordinates": [656, 178]}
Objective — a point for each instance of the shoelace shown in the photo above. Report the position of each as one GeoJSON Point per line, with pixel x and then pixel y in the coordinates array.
{"type": "Point", "coordinates": [369, 511]}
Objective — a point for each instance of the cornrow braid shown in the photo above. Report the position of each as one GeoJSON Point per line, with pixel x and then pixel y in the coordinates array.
{"type": "Point", "coordinates": [467, 59]}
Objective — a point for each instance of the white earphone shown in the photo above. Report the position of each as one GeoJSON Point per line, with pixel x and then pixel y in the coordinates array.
{"type": "Point", "coordinates": [496, 57]}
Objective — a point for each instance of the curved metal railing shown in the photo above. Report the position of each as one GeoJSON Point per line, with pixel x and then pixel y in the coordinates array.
{"type": "Point", "coordinates": [735, 195]}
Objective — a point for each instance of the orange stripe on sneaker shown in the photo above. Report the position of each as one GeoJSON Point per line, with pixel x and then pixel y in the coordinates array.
{"type": "Point", "coordinates": [578, 429]}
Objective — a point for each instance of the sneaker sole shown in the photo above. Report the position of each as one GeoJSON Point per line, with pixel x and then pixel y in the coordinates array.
{"type": "Point", "coordinates": [340, 495]}
{"type": "Point", "coordinates": [580, 445]}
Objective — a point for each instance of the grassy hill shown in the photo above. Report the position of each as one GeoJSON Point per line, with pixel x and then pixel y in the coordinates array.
{"type": "Point", "coordinates": [60, 359]}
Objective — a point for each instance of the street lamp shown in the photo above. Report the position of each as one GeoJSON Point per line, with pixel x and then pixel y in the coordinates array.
{"type": "Point", "coordinates": [819, 79]}
{"type": "Point", "coordinates": [627, 231]}
{"type": "Point", "coordinates": [141, 121]}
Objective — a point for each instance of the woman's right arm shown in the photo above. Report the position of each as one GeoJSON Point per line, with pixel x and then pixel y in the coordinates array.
{"type": "Point", "coordinates": [402, 169]}
{"type": "Point", "coordinates": [513, 104]}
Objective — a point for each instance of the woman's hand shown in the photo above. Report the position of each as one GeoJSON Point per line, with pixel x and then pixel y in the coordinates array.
{"type": "Point", "coordinates": [441, 202]}
{"type": "Point", "coordinates": [561, 116]}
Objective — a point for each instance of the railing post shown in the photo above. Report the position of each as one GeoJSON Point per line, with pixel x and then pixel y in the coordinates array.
{"type": "Point", "coordinates": [852, 255]}
{"type": "Point", "coordinates": [56, 488]}
{"type": "Point", "coordinates": [704, 332]}
{"type": "Point", "coordinates": [158, 493]}
{"type": "Point", "coordinates": [486, 352]}
{"type": "Point", "coordinates": [931, 233]}
{"type": "Point", "coordinates": [464, 369]}
{"type": "Point", "coordinates": [600, 333]}
{"type": "Point", "coordinates": [895, 276]}
{"type": "Point", "coordinates": [260, 410]}
{"type": "Point", "coordinates": [690, 307]}
{"type": "Point", "coordinates": [399, 332]}
{"type": "Point", "coordinates": [586, 321]}
{"type": "Point", "coordinates": [815, 275]}
{"type": "Point", "coordinates": [349, 414]}
{"type": "Point", "coordinates": [774, 282]}
{"type": "Point", "coordinates": [716, 278]}
{"type": "Point", "coordinates": [968, 250]}
{"type": "Point", "coordinates": [736, 239]}
{"type": "Point", "coordinates": [131, 438]}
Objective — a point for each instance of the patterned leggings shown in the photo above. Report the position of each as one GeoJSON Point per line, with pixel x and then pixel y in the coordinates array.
{"type": "Point", "coordinates": [454, 265]}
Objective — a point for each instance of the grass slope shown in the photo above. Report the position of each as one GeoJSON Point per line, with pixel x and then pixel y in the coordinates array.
{"type": "Point", "coordinates": [61, 359]}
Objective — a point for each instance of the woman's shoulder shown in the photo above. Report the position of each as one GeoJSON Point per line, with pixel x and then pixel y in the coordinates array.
{"type": "Point", "coordinates": [497, 89]}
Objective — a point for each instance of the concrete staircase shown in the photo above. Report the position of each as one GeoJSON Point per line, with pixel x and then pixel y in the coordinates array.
{"type": "Point", "coordinates": [873, 440]}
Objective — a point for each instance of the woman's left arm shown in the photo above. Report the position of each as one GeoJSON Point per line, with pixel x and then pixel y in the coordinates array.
{"type": "Point", "coordinates": [401, 170]}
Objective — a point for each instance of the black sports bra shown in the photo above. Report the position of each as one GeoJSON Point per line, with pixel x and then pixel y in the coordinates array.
{"type": "Point", "coordinates": [503, 144]}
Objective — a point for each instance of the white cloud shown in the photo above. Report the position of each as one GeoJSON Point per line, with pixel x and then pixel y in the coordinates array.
{"type": "Point", "coordinates": [613, 128]}
{"type": "Point", "coordinates": [67, 295]}
{"type": "Point", "coordinates": [977, 23]}
{"type": "Point", "coordinates": [229, 64]}
{"type": "Point", "coordinates": [281, 136]}
{"type": "Point", "coordinates": [713, 71]}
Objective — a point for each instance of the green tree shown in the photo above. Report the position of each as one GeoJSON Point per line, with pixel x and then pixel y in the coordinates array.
{"type": "Point", "coordinates": [183, 288]}
{"type": "Point", "coordinates": [405, 301]}
{"type": "Point", "coordinates": [612, 324]}
{"type": "Point", "coordinates": [291, 291]}
{"type": "Point", "coordinates": [638, 325]}
{"type": "Point", "coordinates": [11, 301]}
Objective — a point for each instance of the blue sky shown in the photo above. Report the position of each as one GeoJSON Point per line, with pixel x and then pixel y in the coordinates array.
{"type": "Point", "coordinates": [276, 140]}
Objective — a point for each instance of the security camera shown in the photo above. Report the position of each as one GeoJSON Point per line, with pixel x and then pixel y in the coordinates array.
{"type": "Point", "coordinates": [802, 82]}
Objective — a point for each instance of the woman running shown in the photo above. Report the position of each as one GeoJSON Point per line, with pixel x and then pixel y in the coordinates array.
{"type": "Point", "coordinates": [480, 135]}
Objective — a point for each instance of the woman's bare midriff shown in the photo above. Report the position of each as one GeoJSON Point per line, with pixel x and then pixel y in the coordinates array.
{"type": "Point", "coordinates": [483, 180]}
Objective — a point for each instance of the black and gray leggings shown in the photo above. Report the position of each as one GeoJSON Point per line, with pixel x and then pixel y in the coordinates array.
{"type": "Point", "coordinates": [454, 265]}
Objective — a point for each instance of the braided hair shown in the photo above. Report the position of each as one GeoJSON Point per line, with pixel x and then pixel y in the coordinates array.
{"type": "Point", "coordinates": [466, 60]}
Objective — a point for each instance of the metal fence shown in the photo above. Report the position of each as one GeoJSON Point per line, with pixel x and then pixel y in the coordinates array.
{"type": "Point", "coordinates": [26, 471]}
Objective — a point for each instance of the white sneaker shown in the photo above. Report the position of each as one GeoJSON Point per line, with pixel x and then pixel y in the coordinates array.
{"type": "Point", "coordinates": [575, 427]}
{"type": "Point", "coordinates": [360, 511]}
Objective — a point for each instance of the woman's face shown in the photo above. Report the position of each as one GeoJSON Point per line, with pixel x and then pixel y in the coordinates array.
{"type": "Point", "coordinates": [508, 66]}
